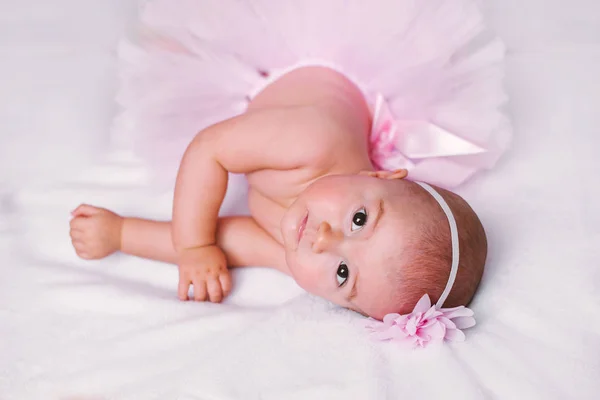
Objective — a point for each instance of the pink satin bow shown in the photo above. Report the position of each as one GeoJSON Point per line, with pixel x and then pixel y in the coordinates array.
{"type": "Point", "coordinates": [404, 144]}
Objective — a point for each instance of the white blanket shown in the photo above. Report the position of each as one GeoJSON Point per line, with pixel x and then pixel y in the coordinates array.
{"type": "Point", "coordinates": [115, 329]}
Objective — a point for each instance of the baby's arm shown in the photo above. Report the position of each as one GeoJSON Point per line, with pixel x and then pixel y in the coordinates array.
{"type": "Point", "coordinates": [97, 233]}
{"type": "Point", "coordinates": [241, 239]}
{"type": "Point", "coordinates": [259, 139]}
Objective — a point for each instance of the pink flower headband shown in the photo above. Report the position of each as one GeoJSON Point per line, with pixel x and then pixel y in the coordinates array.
{"type": "Point", "coordinates": [427, 323]}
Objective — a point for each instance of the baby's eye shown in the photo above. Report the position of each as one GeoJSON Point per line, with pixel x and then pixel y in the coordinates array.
{"type": "Point", "coordinates": [342, 274]}
{"type": "Point", "coordinates": [359, 219]}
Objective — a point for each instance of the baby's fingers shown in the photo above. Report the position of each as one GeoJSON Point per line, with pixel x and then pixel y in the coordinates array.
{"type": "Point", "coordinates": [225, 279]}
{"type": "Point", "coordinates": [215, 292]}
{"type": "Point", "coordinates": [199, 289]}
{"type": "Point", "coordinates": [76, 234]}
{"type": "Point", "coordinates": [85, 210]}
{"type": "Point", "coordinates": [78, 224]}
{"type": "Point", "coordinates": [183, 288]}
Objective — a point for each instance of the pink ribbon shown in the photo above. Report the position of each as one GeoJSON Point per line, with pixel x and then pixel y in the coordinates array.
{"type": "Point", "coordinates": [397, 144]}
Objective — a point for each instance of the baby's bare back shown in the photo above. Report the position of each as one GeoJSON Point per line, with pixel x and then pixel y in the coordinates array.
{"type": "Point", "coordinates": [337, 146]}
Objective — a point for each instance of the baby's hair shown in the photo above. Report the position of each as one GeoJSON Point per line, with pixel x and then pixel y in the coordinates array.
{"type": "Point", "coordinates": [425, 263]}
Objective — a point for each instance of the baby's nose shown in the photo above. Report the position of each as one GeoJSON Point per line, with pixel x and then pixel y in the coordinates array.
{"type": "Point", "coordinates": [326, 239]}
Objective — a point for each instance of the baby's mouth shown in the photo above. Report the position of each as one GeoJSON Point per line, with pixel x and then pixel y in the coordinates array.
{"type": "Point", "coordinates": [302, 227]}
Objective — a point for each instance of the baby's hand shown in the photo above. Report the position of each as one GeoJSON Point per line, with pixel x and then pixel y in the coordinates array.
{"type": "Point", "coordinates": [95, 232]}
{"type": "Point", "coordinates": [206, 269]}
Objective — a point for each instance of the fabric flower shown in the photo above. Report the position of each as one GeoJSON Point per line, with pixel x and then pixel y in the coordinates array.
{"type": "Point", "coordinates": [425, 324]}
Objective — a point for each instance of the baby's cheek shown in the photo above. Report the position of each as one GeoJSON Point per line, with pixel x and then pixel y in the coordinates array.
{"type": "Point", "coordinates": [306, 274]}
{"type": "Point", "coordinates": [305, 278]}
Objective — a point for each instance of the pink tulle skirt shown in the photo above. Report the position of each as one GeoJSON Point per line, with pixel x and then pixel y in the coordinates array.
{"type": "Point", "coordinates": [433, 63]}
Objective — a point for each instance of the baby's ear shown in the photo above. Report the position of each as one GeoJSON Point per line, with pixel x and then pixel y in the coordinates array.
{"type": "Point", "coordinates": [397, 174]}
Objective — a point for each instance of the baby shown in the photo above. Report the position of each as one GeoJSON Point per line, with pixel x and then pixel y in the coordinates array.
{"type": "Point", "coordinates": [367, 240]}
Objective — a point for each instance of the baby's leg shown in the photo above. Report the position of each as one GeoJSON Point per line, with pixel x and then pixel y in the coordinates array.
{"type": "Point", "coordinates": [97, 233]}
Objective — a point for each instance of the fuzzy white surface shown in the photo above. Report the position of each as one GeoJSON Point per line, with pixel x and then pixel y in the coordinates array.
{"type": "Point", "coordinates": [114, 328]}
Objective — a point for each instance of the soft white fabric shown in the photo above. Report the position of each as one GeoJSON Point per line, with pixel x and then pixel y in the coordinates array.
{"type": "Point", "coordinates": [114, 329]}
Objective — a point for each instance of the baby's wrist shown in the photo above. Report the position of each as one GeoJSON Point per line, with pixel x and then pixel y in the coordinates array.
{"type": "Point", "coordinates": [188, 243]}
{"type": "Point", "coordinates": [120, 227]}
{"type": "Point", "coordinates": [189, 249]}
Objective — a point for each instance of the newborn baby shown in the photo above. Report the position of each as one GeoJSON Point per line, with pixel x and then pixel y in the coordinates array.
{"type": "Point", "coordinates": [371, 241]}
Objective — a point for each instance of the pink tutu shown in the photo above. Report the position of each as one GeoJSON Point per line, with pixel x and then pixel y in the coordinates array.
{"type": "Point", "coordinates": [434, 64]}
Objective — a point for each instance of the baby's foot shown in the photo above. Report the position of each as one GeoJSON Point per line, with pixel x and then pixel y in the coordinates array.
{"type": "Point", "coordinates": [95, 232]}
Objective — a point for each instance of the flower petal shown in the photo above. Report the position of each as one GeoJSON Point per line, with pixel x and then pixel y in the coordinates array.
{"type": "Point", "coordinates": [454, 335]}
{"type": "Point", "coordinates": [390, 333]}
{"type": "Point", "coordinates": [407, 343]}
{"type": "Point", "coordinates": [458, 312]}
{"type": "Point", "coordinates": [413, 341]}
{"type": "Point", "coordinates": [423, 336]}
{"type": "Point", "coordinates": [448, 310]}
{"type": "Point", "coordinates": [401, 320]}
{"type": "Point", "coordinates": [428, 322]}
{"type": "Point", "coordinates": [422, 305]}
{"type": "Point", "coordinates": [449, 324]}
{"type": "Point", "coordinates": [435, 331]}
{"type": "Point", "coordinates": [432, 313]}
{"type": "Point", "coordinates": [411, 326]}
{"type": "Point", "coordinates": [390, 318]}
{"type": "Point", "coordinates": [464, 322]}
{"type": "Point", "coordinates": [398, 334]}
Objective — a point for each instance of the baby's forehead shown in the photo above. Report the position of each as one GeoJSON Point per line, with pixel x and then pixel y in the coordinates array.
{"type": "Point", "coordinates": [377, 292]}
{"type": "Point", "coordinates": [377, 269]}
{"type": "Point", "coordinates": [383, 249]}
{"type": "Point", "coordinates": [379, 265]}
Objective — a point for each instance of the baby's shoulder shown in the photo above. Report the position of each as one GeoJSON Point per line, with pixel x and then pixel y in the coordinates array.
{"type": "Point", "coordinates": [336, 139]}
{"type": "Point", "coordinates": [311, 135]}
{"type": "Point", "coordinates": [322, 135]}
{"type": "Point", "coordinates": [326, 115]}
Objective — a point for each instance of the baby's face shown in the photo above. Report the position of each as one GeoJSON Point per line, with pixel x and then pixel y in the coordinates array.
{"type": "Point", "coordinates": [341, 236]}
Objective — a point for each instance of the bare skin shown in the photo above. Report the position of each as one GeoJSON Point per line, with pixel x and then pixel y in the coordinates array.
{"type": "Point", "coordinates": [318, 210]}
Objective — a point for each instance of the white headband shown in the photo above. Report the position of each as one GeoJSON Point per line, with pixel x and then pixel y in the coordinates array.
{"type": "Point", "coordinates": [453, 237]}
